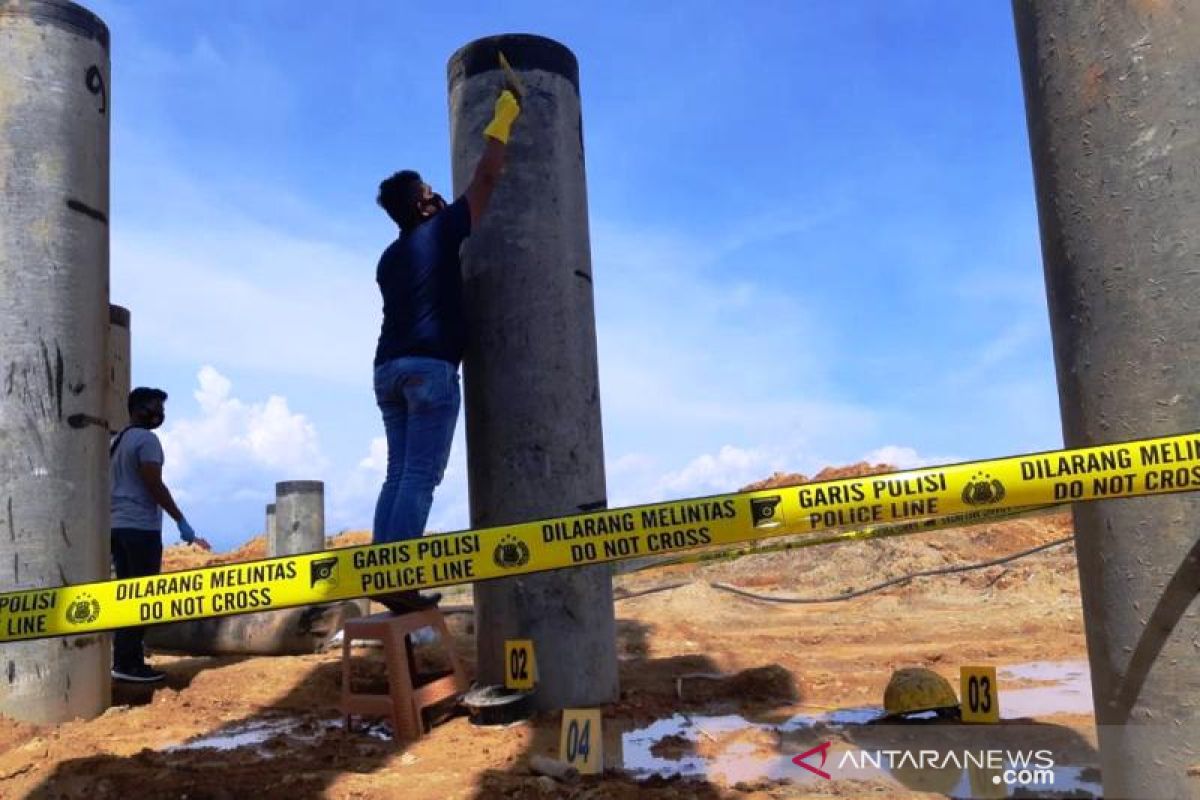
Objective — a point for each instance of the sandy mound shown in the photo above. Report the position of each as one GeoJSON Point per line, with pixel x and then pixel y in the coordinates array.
{"type": "Point", "coordinates": [781, 479]}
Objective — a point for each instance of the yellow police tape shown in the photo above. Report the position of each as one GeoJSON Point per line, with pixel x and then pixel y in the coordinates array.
{"type": "Point", "coordinates": [926, 525]}
{"type": "Point", "coordinates": [1129, 469]}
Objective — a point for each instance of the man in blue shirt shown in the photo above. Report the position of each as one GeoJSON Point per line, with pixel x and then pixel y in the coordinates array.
{"type": "Point", "coordinates": [424, 331]}
{"type": "Point", "coordinates": [139, 497]}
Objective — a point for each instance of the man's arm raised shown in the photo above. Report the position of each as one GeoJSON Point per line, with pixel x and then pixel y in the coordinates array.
{"type": "Point", "coordinates": [491, 163]}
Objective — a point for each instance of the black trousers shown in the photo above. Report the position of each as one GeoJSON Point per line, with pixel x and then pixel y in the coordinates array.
{"type": "Point", "coordinates": [135, 553]}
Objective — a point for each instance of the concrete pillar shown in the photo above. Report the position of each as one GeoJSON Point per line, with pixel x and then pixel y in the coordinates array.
{"type": "Point", "coordinates": [119, 369]}
{"type": "Point", "coordinates": [1114, 129]}
{"type": "Point", "coordinates": [54, 111]}
{"type": "Point", "coordinates": [299, 518]}
{"type": "Point", "coordinates": [272, 546]}
{"type": "Point", "coordinates": [534, 446]}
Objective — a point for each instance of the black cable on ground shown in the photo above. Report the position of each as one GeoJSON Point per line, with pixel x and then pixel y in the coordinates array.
{"type": "Point", "coordinates": [902, 579]}
{"type": "Point", "coordinates": [665, 587]}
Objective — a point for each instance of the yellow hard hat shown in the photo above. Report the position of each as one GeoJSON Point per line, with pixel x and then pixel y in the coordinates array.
{"type": "Point", "coordinates": [915, 689]}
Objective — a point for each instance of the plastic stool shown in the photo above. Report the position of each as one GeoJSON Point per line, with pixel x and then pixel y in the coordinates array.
{"type": "Point", "coordinates": [404, 701]}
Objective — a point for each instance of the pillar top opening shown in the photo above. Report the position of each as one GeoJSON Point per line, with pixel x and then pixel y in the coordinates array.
{"type": "Point", "coordinates": [524, 51]}
{"type": "Point", "coordinates": [61, 14]}
{"type": "Point", "coordinates": [299, 487]}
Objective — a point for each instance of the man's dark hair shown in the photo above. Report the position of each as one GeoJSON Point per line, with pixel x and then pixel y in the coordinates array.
{"type": "Point", "coordinates": [398, 196]}
{"type": "Point", "coordinates": [143, 396]}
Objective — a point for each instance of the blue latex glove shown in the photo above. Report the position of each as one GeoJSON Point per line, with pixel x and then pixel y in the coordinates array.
{"type": "Point", "coordinates": [185, 531]}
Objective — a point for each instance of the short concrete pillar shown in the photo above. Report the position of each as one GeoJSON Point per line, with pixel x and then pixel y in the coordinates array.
{"type": "Point", "coordinates": [299, 518]}
{"type": "Point", "coordinates": [269, 531]}
{"type": "Point", "coordinates": [534, 444]}
{"type": "Point", "coordinates": [54, 329]}
{"type": "Point", "coordinates": [119, 369]}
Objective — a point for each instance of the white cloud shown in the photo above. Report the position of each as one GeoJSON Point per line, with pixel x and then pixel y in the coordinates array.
{"type": "Point", "coordinates": [230, 432]}
{"type": "Point", "coordinates": [376, 461]}
{"type": "Point", "coordinates": [351, 498]}
{"type": "Point", "coordinates": [902, 457]}
{"type": "Point", "coordinates": [726, 471]}
{"type": "Point", "coordinates": [636, 478]}
{"type": "Point", "coordinates": [630, 463]}
{"type": "Point", "coordinates": [250, 297]}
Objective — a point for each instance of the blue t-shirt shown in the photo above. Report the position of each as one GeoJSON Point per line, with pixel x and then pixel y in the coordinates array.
{"type": "Point", "coordinates": [420, 278]}
{"type": "Point", "coordinates": [132, 504]}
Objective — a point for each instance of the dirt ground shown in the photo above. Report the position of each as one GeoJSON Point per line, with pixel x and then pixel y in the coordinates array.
{"type": "Point", "coordinates": [733, 687]}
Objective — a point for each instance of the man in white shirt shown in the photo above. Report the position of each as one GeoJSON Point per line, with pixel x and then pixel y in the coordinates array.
{"type": "Point", "coordinates": [139, 497]}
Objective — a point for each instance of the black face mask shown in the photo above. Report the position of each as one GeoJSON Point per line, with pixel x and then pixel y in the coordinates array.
{"type": "Point", "coordinates": [433, 204]}
{"type": "Point", "coordinates": [151, 419]}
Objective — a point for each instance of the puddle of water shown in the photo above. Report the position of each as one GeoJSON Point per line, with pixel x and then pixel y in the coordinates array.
{"type": "Point", "coordinates": [1068, 689]}
{"type": "Point", "coordinates": [636, 748]}
{"type": "Point", "coordinates": [736, 761]}
{"type": "Point", "coordinates": [377, 730]}
{"type": "Point", "coordinates": [1046, 671]}
{"type": "Point", "coordinates": [249, 733]}
{"type": "Point", "coordinates": [742, 760]}
{"type": "Point", "coordinates": [636, 745]}
{"type": "Point", "coordinates": [255, 732]}
{"type": "Point", "coordinates": [1070, 779]}
{"type": "Point", "coordinates": [732, 767]}
{"type": "Point", "coordinates": [852, 716]}
{"type": "Point", "coordinates": [835, 718]}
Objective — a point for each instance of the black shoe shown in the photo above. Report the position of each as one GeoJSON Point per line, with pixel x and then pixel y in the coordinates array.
{"type": "Point", "coordinates": [139, 673]}
{"type": "Point", "coordinates": [407, 602]}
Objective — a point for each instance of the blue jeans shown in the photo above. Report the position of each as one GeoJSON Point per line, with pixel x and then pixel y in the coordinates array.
{"type": "Point", "coordinates": [419, 398]}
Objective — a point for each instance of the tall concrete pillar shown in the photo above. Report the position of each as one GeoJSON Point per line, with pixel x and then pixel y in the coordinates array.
{"type": "Point", "coordinates": [272, 546]}
{"type": "Point", "coordinates": [1114, 126]}
{"type": "Point", "coordinates": [119, 369]}
{"type": "Point", "coordinates": [534, 446]}
{"type": "Point", "coordinates": [299, 518]}
{"type": "Point", "coordinates": [54, 111]}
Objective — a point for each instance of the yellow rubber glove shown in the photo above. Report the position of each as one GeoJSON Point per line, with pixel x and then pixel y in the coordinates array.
{"type": "Point", "coordinates": [507, 110]}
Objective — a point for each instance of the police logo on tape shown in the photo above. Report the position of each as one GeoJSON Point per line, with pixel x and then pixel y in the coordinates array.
{"type": "Point", "coordinates": [765, 511]}
{"type": "Point", "coordinates": [83, 610]}
{"type": "Point", "coordinates": [511, 553]}
{"type": "Point", "coordinates": [323, 570]}
{"type": "Point", "coordinates": [982, 490]}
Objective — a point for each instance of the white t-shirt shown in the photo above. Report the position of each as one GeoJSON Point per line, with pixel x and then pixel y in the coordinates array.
{"type": "Point", "coordinates": [132, 504]}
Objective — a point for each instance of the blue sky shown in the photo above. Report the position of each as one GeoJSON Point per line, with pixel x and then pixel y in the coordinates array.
{"type": "Point", "coordinates": [813, 231]}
